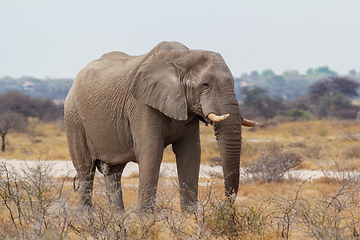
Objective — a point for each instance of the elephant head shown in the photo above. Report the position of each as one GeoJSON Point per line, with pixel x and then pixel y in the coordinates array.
{"type": "Point", "coordinates": [187, 84]}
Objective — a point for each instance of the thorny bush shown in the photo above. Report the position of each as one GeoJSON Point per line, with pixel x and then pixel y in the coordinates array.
{"type": "Point", "coordinates": [34, 205]}
{"type": "Point", "coordinates": [272, 167]}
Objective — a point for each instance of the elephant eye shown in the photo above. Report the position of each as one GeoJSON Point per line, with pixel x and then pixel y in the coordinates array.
{"type": "Point", "coordinates": [205, 85]}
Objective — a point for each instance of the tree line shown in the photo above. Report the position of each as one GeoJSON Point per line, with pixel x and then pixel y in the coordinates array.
{"type": "Point", "coordinates": [37, 88]}
{"type": "Point", "coordinates": [16, 108]}
{"type": "Point", "coordinates": [330, 97]}
{"type": "Point", "coordinates": [321, 93]}
{"type": "Point", "coordinates": [288, 85]}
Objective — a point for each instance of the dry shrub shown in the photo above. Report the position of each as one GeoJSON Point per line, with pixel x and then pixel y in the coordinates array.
{"type": "Point", "coordinates": [271, 167]}
{"type": "Point", "coordinates": [307, 165]}
{"type": "Point", "coordinates": [215, 161]}
{"type": "Point", "coordinates": [352, 137]}
{"type": "Point", "coordinates": [331, 216]}
{"type": "Point", "coordinates": [249, 149]}
{"type": "Point", "coordinates": [226, 221]}
{"type": "Point", "coordinates": [352, 152]}
{"type": "Point", "coordinates": [297, 145]}
{"type": "Point", "coordinates": [320, 215]}
{"type": "Point", "coordinates": [35, 206]}
{"type": "Point", "coordinates": [33, 202]}
{"type": "Point", "coordinates": [272, 147]}
{"type": "Point", "coordinates": [252, 149]}
{"type": "Point", "coordinates": [314, 152]}
{"type": "Point", "coordinates": [322, 132]}
{"type": "Point", "coordinates": [35, 130]}
{"type": "Point", "coordinates": [336, 171]}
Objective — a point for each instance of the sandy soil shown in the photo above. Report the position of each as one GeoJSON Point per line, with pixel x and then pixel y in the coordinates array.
{"type": "Point", "coordinates": [66, 168]}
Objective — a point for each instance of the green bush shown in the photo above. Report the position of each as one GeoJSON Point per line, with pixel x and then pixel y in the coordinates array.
{"type": "Point", "coordinates": [298, 114]}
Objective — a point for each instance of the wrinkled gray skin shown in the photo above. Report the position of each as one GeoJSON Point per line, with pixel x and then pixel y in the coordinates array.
{"type": "Point", "coordinates": [125, 108]}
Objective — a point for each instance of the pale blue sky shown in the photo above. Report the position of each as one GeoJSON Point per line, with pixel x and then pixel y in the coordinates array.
{"type": "Point", "coordinates": [48, 38]}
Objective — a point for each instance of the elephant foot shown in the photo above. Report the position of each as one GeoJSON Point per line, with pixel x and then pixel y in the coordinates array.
{"type": "Point", "coordinates": [146, 207]}
{"type": "Point", "coordinates": [86, 212]}
{"type": "Point", "coordinates": [117, 208]}
{"type": "Point", "coordinates": [189, 208]}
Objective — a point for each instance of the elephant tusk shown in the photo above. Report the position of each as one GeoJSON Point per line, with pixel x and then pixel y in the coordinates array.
{"type": "Point", "coordinates": [215, 118]}
{"type": "Point", "coordinates": [249, 123]}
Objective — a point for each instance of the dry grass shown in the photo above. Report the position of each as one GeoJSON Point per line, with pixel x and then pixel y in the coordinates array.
{"type": "Point", "coordinates": [45, 141]}
{"type": "Point", "coordinates": [318, 142]}
{"type": "Point", "coordinates": [326, 208]}
{"type": "Point", "coordinates": [39, 207]}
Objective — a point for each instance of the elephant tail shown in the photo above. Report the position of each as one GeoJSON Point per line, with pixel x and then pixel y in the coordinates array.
{"type": "Point", "coordinates": [74, 183]}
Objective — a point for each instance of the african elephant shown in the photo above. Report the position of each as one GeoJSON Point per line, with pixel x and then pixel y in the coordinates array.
{"type": "Point", "coordinates": [124, 108]}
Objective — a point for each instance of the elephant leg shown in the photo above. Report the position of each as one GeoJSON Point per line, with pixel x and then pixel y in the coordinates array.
{"type": "Point", "coordinates": [112, 175]}
{"type": "Point", "coordinates": [81, 157]}
{"type": "Point", "coordinates": [85, 174]}
{"type": "Point", "coordinates": [149, 147]}
{"type": "Point", "coordinates": [149, 159]}
{"type": "Point", "coordinates": [148, 180]}
{"type": "Point", "coordinates": [86, 182]}
{"type": "Point", "coordinates": [188, 154]}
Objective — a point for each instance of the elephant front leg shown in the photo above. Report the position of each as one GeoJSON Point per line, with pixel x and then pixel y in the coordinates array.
{"type": "Point", "coordinates": [148, 180]}
{"type": "Point", "coordinates": [188, 152]}
{"type": "Point", "coordinates": [148, 138]}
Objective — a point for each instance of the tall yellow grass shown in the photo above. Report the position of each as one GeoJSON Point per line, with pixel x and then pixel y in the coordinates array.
{"type": "Point", "coordinates": [320, 143]}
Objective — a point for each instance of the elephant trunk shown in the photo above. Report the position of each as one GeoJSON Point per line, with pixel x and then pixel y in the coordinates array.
{"type": "Point", "coordinates": [228, 135]}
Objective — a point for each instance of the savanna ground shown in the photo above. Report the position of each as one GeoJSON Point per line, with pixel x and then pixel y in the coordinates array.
{"type": "Point", "coordinates": [36, 206]}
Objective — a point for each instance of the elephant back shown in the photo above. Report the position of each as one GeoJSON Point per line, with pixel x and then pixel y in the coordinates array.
{"type": "Point", "coordinates": [116, 55]}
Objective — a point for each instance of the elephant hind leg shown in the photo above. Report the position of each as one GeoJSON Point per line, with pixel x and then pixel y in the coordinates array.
{"type": "Point", "coordinates": [86, 182]}
{"type": "Point", "coordinates": [85, 175]}
{"type": "Point", "coordinates": [112, 175]}
{"type": "Point", "coordinates": [81, 157]}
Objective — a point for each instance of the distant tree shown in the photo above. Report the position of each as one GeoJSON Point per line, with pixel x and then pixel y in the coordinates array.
{"type": "Point", "coordinates": [10, 120]}
{"type": "Point", "coordinates": [45, 109]}
{"type": "Point", "coordinates": [337, 106]}
{"type": "Point", "coordinates": [302, 102]}
{"type": "Point", "coordinates": [16, 102]}
{"type": "Point", "coordinates": [333, 86]}
{"type": "Point", "coordinates": [275, 86]}
{"type": "Point", "coordinates": [276, 80]}
{"type": "Point", "coordinates": [254, 74]}
{"type": "Point", "coordinates": [244, 75]}
{"type": "Point", "coordinates": [291, 74]}
{"type": "Point", "coordinates": [352, 73]}
{"type": "Point", "coordinates": [345, 86]}
{"type": "Point", "coordinates": [331, 97]}
{"type": "Point", "coordinates": [258, 99]}
{"type": "Point", "coordinates": [320, 71]}
{"type": "Point", "coordinates": [310, 72]}
{"type": "Point", "coordinates": [256, 94]}
{"type": "Point", "coordinates": [267, 73]}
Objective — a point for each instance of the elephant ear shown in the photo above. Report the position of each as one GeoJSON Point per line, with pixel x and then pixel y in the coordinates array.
{"type": "Point", "coordinates": [157, 84]}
